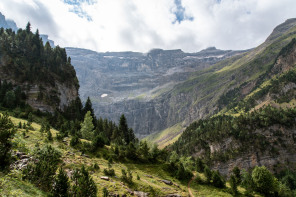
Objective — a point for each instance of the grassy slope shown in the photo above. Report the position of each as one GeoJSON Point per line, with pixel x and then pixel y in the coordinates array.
{"type": "Point", "coordinates": [211, 83]}
{"type": "Point", "coordinates": [165, 137]}
{"type": "Point", "coordinates": [12, 184]}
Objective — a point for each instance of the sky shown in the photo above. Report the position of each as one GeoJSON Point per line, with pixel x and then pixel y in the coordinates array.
{"type": "Point", "coordinates": [141, 25]}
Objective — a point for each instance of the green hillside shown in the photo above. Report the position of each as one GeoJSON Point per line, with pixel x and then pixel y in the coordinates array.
{"type": "Point", "coordinates": [26, 141]}
{"type": "Point", "coordinates": [230, 83]}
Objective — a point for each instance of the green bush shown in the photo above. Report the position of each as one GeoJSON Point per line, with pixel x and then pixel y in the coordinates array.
{"type": "Point", "coordinates": [127, 177]}
{"type": "Point", "coordinates": [6, 134]}
{"type": "Point", "coordinates": [83, 184]}
{"type": "Point", "coordinates": [109, 172]}
{"type": "Point", "coordinates": [61, 184]}
{"type": "Point", "coordinates": [218, 180]}
{"type": "Point", "coordinates": [74, 141]}
{"type": "Point", "coordinates": [41, 170]}
{"type": "Point", "coordinates": [233, 185]}
{"type": "Point", "coordinates": [208, 174]}
{"type": "Point", "coordinates": [264, 181]}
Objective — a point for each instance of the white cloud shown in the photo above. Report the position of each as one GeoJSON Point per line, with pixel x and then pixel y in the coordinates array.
{"type": "Point", "coordinates": [139, 25]}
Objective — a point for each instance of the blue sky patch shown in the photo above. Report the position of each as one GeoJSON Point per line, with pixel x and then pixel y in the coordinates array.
{"type": "Point", "coordinates": [77, 9]}
{"type": "Point", "coordinates": [180, 13]}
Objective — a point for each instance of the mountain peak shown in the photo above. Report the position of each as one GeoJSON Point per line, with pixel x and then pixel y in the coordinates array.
{"type": "Point", "coordinates": [7, 23]}
{"type": "Point", "coordinates": [280, 29]}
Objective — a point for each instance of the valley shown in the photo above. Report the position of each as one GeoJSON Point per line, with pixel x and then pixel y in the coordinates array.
{"type": "Point", "coordinates": [163, 123]}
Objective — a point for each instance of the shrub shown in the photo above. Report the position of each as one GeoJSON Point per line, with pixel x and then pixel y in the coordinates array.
{"type": "Point", "coordinates": [264, 181]}
{"type": "Point", "coordinates": [61, 184]}
{"type": "Point", "coordinates": [42, 169]}
{"type": "Point", "coordinates": [208, 174]}
{"type": "Point", "coordinates": [198, 179]}
{"type": "Point", "coordinates": [109, 172]}
{"type": "Point", "coordinates": [83, 184]}
{"type": "Point", "coordinates": [49, 136]}
{"type": "Point", "coordinates": [127, 177]}
{"type": "Point", "coordinates": [218, 180]}
{"type": "Point", "coordinates": [233, 185]}
{"type": "Point", "coordinates": [105, 192]}
{"type": "Point", "coordinates": [237, 175]}
{"type": "Point", "coordinates": [200, 166]}
{"type": "Point", "coordinates": [74, 141]}
{"type": "Point", "coordinates": [96, 166]}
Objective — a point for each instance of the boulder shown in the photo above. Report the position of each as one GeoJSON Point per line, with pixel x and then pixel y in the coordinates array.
{"type": "Point", "coordinates": [167, 182]}
{"type": "Point", "coordinates": [141, 194]}
{"type": "Point", "coordinates": [105, 178]}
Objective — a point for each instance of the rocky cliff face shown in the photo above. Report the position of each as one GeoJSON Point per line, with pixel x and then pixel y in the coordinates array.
{"type": "Point", "coordinates": [247, 141]}
{"type": "Point", "coordinates": [279, 154]}
{"type": "Point", "coordinates": [44, 74]}
{"type": "Point", "coordinates": [6, 24]}
{"type": "Point", "coordinates": [137, 84]}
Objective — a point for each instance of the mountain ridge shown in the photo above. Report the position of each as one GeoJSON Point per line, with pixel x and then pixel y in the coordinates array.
{"type": "Point", "coordinates": [129, 82]}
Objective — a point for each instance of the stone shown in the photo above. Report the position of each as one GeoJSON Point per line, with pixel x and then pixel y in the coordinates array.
{"type": "Point", "coordinates": [167, 182]}
{"type": "Point", "coordinates": [105, 178]}
{"type": "Point", "coordinates": [141, 194]}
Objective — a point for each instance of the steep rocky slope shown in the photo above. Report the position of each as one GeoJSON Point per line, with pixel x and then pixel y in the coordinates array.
{"type": "Point", "coordinates": [43, 74]}
{"type": "Point", "coordinates": [226, 83]}
{"type": "Point", "coordinates": [256, 122]}
{"type": "Point", "coordinates": [131, 83]}
{"type": "Point", "coordinates": [163, 88]}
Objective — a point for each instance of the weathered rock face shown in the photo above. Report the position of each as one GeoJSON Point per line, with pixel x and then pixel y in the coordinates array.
{"type": "Point", "coordinates": [6, 24]}
{"type": "Point", "coordinates": [282, 153]}
{"type": "Point", "coordinates": [64, 93]}
{"type": "Point", "coordinates": [131, 83]}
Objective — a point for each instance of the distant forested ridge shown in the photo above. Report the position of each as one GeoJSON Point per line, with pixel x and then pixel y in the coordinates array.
{"type": "Point", "coordinates": [44, 74]}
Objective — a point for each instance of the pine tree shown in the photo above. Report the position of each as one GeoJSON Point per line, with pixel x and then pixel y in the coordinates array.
{"type": "Point", "coordinates": [6, 134]}
{"type": "Point", "coordinates": [88, 107]}
{"type": "Point", "coordinates": [218, 180]}
{"type": "Point", "coordinates": [144, 150]}
{"type": "Point", "coordinates": [105, 192]}
{"type": "Point", "coordinates": [87, 127]}
{"type": "Point", "coordinates": [28, 27]}
{"type": "Point", "coordinates": [83, 184]}
{"type": "Point", "coordinates": [199, 165]}
{"type": "Point", "coordinates": [123, 129]}
{"type": "Point", "coordinates": [61, 184]}
{"type": "Point", "coordinates": [233, 185]}
{"type": "Point", "coordinates": [49, 136]}
{"type": "Point", "coordinates": [30, 117]}
{"type": "Point", "coordinates": [237, 174]}
{"type": "Point", "coordinates": [208, 174]}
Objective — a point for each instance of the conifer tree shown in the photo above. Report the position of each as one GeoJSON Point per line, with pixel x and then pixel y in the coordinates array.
{"type": "Point", "coordinates": [83, 185]}
{"type": "Point", "coordinates": [6, 134]}
{"type": "Point", "coordinates": [123, 129]}
{"type": "Point", "coordinates": [144, 149]}
{"type": "Point", "coordinates": [61, 184]}
{"type": "Point", "coordinates": [87, 127]}
{"type": "Point", "coordinates": [88, 107]}
{"type": "Point", "coordinates": [233, 185]}
{"type": "Point", "coordinates": [28, 27]}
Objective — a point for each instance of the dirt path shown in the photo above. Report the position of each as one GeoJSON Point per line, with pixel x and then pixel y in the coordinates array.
{"type": "Point", "coordinates": [188, 186]}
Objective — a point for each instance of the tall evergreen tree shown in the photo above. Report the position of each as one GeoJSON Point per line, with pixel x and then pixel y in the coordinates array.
{"type": "Point", "coordinates": [6, 134]}
{"type": "Point", "coordinates": [88, 107]}
{"type": "Point", "coordinates": [84, 185]}
{"type": "Point", "coordinates": [28, 28]}
{"type": "Point", "coordinates": [87, 127]}
{"type": "Point", "coordinates": [123, 129]}
{"type": "Point", "coordinates": [61, 184]}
